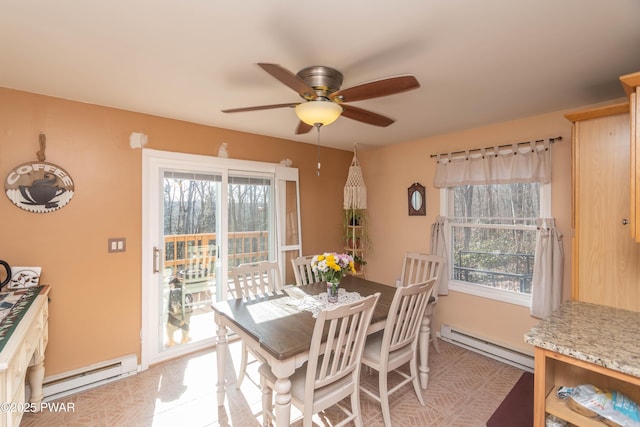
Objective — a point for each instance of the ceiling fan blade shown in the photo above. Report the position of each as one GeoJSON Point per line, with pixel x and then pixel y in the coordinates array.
{"type": "Point", "coordinates": [303, 128]}
{"type": "Point", "coordinates": [290, 79]}
{"type": "Point", "coordinates": [376, 89]}
{"type": "Point", "coordinates": [365, 116]}
{"type": "Point", "coordinates": [260, 107]}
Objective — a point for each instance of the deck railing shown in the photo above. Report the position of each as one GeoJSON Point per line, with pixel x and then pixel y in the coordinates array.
{"type": "Point", "coordinates": [192, 257]}
{"type": "Point", "coordinates": [517, 280]}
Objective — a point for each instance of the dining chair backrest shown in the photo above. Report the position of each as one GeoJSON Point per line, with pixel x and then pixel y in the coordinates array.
{"type": "Point", "coordinates": [418, 267]}
{"type": "Point", "coordinates": [339, 356]}
{"type": "Point", "coordinates": [303, 272]}
{"type": "Point", "coordinates": [405, 315]}
{"type": "Point", "coordinates": [255, 279]}
{"type": "Point", "coordinates": [388, 350]}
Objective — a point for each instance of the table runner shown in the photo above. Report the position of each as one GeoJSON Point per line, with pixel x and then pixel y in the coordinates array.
{"type": "Point", "coordinates": [13, 306]}
{"type": "Point", "coordinates": [314, 303]}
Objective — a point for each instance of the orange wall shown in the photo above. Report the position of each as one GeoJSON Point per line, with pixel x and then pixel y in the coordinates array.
{"type": "Point", "coordinates": [95, 311]}
{"type": "Point", "coordinates": [389, 171]}
{"type": "Point", "coordinates": [95, 308]}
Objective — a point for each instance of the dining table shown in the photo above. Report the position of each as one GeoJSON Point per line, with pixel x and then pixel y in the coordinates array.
{"type": "Point", "coordinates": [281, 332]}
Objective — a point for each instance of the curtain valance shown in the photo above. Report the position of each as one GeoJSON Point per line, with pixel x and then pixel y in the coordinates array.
{"type": "Point", "coordinates": [529, 162]}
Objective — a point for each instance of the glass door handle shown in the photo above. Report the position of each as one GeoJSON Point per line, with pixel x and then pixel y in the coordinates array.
{"type": "Point", "coordinates": [156, 259]}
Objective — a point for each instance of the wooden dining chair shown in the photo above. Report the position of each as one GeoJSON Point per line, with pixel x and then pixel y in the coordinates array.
{"type": "Point", "coordinates": [387, 350]}
{"type": "Point", "coordinates": [419, 267]}
{"type": "Point", "coordinates": [303, 272]}
{"type": "Point", "coordinates": [332, 372]}
{"type": "Point", "coordinates": [250, 281]}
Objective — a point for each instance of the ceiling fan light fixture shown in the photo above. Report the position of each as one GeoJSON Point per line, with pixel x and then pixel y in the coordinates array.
{"type": "Point", "coordinates": [319, 111]}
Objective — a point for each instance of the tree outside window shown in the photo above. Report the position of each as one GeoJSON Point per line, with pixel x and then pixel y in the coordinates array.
{"type": "Point", "coordinates": [493, 235]}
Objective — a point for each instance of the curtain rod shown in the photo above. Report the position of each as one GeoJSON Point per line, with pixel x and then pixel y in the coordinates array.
{"type": "Point", "coordinates": [552, 140]}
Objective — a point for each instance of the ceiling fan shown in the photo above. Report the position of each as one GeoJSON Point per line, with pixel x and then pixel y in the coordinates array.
{"type": "Point", "coordinates": [324, 101]}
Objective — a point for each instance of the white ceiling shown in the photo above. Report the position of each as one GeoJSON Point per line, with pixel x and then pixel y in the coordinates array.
{"type": "Point", "coordinates": [478, 62]}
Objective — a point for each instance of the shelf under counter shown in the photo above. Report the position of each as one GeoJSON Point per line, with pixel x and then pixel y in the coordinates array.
{"type": "Point", "coordinates": [559, 408]}
{"type": "Point", "coordinates": [583, 343]}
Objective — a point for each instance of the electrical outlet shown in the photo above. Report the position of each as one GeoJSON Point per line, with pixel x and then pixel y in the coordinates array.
{"type": "Point", "coordinates": [117, 244]}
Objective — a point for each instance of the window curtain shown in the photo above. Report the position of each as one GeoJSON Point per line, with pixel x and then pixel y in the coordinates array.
{"type": "Point", "coordinates": [530, 162]}
{"type": "Point", "coordinates": [439, 247]}
{"type": "Point", "coordinates": [546, 291]}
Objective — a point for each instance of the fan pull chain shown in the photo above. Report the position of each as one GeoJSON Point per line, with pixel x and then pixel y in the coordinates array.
{"type": "Point", "coordinates": [317, 125]}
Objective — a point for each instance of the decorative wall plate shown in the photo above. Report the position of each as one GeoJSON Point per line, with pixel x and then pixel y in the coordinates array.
{"type": "Point", "coordinates": [39, 187]}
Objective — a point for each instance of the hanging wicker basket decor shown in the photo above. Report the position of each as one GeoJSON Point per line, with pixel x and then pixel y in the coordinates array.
{"type": "Point", "coordinates": [355, 191]}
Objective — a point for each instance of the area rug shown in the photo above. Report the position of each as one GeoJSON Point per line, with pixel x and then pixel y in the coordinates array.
{"type": "Point", "coordinates": [516, 410]}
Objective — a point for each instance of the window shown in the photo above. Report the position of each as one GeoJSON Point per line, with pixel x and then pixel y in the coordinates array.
{"type": "Point", "coordinates": [492, 234]}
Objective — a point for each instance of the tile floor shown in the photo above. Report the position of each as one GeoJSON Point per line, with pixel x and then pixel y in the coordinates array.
{"type": "Point", "coordinates": [464, 390]}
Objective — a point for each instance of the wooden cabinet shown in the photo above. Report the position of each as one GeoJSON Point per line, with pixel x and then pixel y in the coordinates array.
{"type": "Point", "coordinates": [606, 261]}
{"type": "Point", "coordinates": [631, 85]}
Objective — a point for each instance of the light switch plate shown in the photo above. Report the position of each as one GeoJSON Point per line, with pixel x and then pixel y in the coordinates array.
{"type": "Point", "coordinates": [117, 244]}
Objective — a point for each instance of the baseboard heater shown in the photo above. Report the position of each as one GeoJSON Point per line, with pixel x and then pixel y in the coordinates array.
{"type": "Point", "coordinates": [487, 348]}
{"type": "Point", "coordinates": [71, 382]}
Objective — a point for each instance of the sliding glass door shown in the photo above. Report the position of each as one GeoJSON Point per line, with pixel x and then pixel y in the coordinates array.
{"type": "Point", "coordinates": [188, 257]}
{"type": "Point", "coordinates": [201, 217]}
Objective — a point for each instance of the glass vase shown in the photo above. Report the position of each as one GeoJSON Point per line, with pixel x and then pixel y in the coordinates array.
{"type": "Point", "coordinates": [332, 291]}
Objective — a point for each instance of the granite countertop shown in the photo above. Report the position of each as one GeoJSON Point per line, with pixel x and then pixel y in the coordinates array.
{"type": "Point", "coordinates": [601, 335]}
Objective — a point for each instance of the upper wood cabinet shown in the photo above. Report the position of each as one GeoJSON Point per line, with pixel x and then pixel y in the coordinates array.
{"type": "Point", "coordinates": [631, 85]}
{"type": "Point", "coordinates": [606, 261]}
